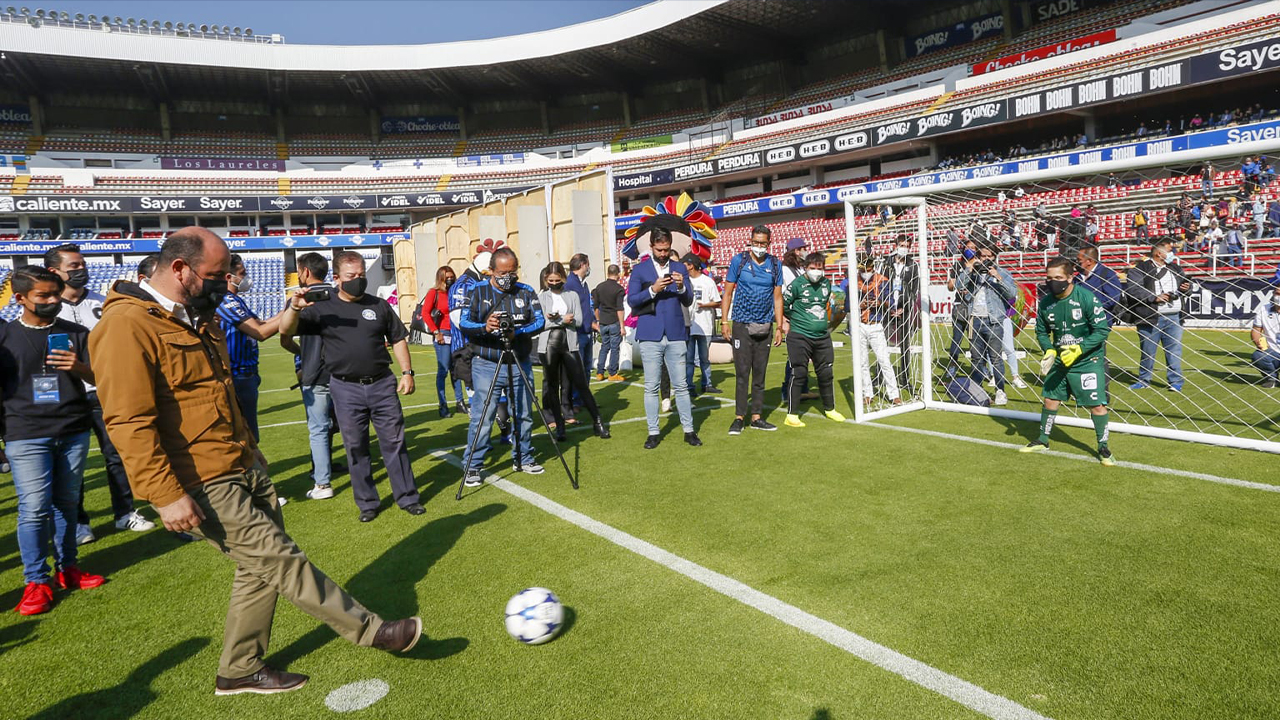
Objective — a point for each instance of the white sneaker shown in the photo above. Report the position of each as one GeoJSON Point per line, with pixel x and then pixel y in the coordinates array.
{"type": "Point", "coordinates": [1019, 383]}
{"type": "Point", "coordinates": [531, 469]}
{"type": "Point", "coordinates": [135, 522]}
{"type": "Point", "coordinates": [84, 535]}
{"type": "Point", "coordinates": [1001, 398]}
{"type": "Point", "coordinates": [320, 492]}
{"type": "Point", "coordinates": [666, 405]}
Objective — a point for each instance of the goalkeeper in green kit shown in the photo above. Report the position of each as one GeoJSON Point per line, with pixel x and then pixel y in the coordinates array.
{"type": "Point", "coordinates": [1072, 329]}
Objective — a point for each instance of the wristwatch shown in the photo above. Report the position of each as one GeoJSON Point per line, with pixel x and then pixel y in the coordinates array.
{"type": "Point", "coordinates": [407, 372]}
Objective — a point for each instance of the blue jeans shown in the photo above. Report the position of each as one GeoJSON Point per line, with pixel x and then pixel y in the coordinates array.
{"type": "Point", "coordinates": [1168, 333]}
{"type": "Point", "coordinates": [610, 349]}
{"type": "Point", "coordinates": [699, 347]}
{"type": "Point", "coordinates": [654, 354]}
{"type": "Point", "coordinates": [316, 400]}
{"type": "Point", "coordinates": [247, 394]}
{"type": "Point", "coordinates": [444, 353]}
{"type": "Point", "coordinates": [487, 377]}
{"type": "Point", "coordinates": [1268, 361]}
{"type": "Point", "coordinates": [47, 474]}
{"type": "Point", "coordinates": [986, 347]}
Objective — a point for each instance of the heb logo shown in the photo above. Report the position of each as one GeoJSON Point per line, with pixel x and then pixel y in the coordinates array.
{"type": "Point", "coordinates": [318, 202]}
{"type": "Point", "coordinates": [694, 170]}
{"type": "Point", "coordinates": [782, 203]}
{"type": "Point", "coordinates": [780, 155]}
{"type": "Point", "coordinates": [852, 141]}
{"type": "Point", "coordinates": [433, 199]}
{"type": "Point", "coordinates": [940, 121]}
{"type": "Point", "coordinates": [815, 148]}
{"type": "Point", "coordinates": [987, 111]}
{"type": "Point", "coordinates": [850, 192]}
{"type": "Point", "coordinates": [893, 130]}
{"type": "Point", "coordinates": [282, 203]}
{"type": "Point", "coordinates": [818, 197]}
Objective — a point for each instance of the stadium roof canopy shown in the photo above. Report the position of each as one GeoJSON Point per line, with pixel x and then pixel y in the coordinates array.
{"type": "Point", "coordinates": [665, 39]}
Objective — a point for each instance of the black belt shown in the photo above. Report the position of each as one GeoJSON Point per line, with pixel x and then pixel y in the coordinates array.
{"type": "Point", "coordinates": [362, 379]}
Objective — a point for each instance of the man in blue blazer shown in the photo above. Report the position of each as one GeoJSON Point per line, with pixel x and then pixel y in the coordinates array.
{"type": "Point", "coordinates": [1101, 279]}
{"type": "Point", "coordinates": [658, 294]}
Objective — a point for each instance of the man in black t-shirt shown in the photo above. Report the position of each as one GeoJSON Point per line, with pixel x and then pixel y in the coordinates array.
{"type": "Point", "coordinates": [608, 299]}
{"type": "Point", "coordinates": [355, 328]}
{"type": "Point", "coordinates": [44, 364]}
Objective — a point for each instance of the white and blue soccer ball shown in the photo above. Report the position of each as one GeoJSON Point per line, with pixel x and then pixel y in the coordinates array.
{"type": "Point", "coordinates": [534, 616]}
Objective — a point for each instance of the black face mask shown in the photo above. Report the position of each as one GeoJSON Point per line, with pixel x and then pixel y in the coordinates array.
{"type": "Point", "coordinates": [210, 296]}
{"type": "Point", "coordinates": [356, 287]}
{"type": "Point", "coordinates": [557, 287]}
{"type": "Point", "coordinates": [78, 278]}
{"type": "Point", "coordinates": [505, 282]}
{"type": "Point", "coordinates": [1057, 287]}
{"type": "Point", "coordinates": [47, 311]}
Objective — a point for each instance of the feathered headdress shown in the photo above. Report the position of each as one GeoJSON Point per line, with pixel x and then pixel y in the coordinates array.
{"type": "Point", "coordinates": [692, 228]}
{"type": "Point", "coordinates": [484, 252]}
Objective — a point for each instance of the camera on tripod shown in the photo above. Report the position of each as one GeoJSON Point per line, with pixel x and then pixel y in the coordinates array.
{"type": "Point", "coordinates": [505, 328]}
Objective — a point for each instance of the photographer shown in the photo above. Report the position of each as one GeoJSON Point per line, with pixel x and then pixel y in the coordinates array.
{"type": "Point", "coordinates": [356, 328]}
{"type": "Point", "coordinates": [989, 288]}
{"type": "Point", "coordinates": [500, 313]}
{"type": "Point", "coordinates": [960, 305]}
{"type": "Point", "coordinates": [313, 379]}
{"type": "Point", "coordinates": [1156, 295]}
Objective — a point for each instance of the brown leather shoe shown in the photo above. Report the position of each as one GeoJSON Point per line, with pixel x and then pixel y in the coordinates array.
{"type": "Point", "coordinates": [398, 635]}
{"type": "Point", "coordinates": [266, 681]}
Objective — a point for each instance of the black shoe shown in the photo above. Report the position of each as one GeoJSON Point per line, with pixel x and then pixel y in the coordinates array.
{"type": "Point", "coordinates": [414, 509]}
{"type": "Point", "coordinates": [712, 390]}
{"type": "Point", "coordinates": [602, 432]}
{"type": "Point", "coordinates": [368, 515]}
{"type": "Point", "coordinates": [444, 412]}
{"type": "Point", "coordinates": [462, 408]}
{"type": "Point", "coordinates": [760, 424]}
{"type": "Point", "coordinates": [561, 437]}
{"type": "Point", "coordinates": [183, 537]}
{"type": "Point", "coordinates": [267, 681]}
{"type": "Point", "coordinates": [692, 439]}
{"type": "Point", "coordinates": [652, 442]}
{"type": "Point", "coordinates": [736, 427]}
{"type": "Point", "coordinates": [337, 469]}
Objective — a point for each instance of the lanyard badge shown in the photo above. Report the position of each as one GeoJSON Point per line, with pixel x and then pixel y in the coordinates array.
{"type": "Point", "coordinates": [44, 389]}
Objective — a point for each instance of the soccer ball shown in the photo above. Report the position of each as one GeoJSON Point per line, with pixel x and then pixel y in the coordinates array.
{"type": "Point", "coordinates": [534, 616]}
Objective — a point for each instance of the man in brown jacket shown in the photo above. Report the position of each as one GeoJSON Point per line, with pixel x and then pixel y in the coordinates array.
{"type": "Point", "coordinates": [170, 408]}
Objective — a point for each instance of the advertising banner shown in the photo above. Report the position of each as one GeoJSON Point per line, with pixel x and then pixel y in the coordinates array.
{"type": "Point", "coordinates": [1047, 51]}
{"type": "Point", "coordinates": [491, 160]}
{"type": "Point", "coordinates": [632, 181]}
{"type": "Point", "coordinates": [15, 114]}
{"type": "Point", "coordinates": [433, 124]}
{"type": "Point", "coordinates": [959, 34]}
{"type": "Point", "coordinates": [941, 122]}
{"type": "Point", "coordinates": [792, 114]}
{"type": "Point", "coordinates": [150, 245]}
{"type": "Point", "coordinates": [1234, 299]}
{"type": "Point", "coordinates": [220, 164]}
{"type": "Point", "coordinates": [1238, 60]}
{"type": "Point", "coordinates": [1046, 10]}
{"type": "Point", "coordinates": [642, 143]}
{"type": "Point", "coordinates": [318, 203]}
{"type": "Point", "coordinates": [160, 204]}
{"type": "Point", "coordinates": [1099, 90]}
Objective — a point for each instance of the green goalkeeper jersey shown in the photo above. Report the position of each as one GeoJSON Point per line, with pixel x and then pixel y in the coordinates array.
{"type": "Point", "coordinates": [806, 305]}
{"type": "Point", "coordinates": [1077, 319]}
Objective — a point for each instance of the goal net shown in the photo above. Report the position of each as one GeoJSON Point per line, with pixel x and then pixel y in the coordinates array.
{"type": "Point", "coordinates": [1181, 366]}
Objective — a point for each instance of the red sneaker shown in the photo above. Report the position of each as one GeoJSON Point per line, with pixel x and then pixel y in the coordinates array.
{"type": "Point", "coordinates": [71, 578]}
{"type": "Point", "coordinates": [36, 598]}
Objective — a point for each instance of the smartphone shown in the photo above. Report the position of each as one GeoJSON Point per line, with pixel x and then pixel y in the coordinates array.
{"type": "Point", "coordinates": [319, 294]}
{"type": "Point", "coordinates": [59, 341]}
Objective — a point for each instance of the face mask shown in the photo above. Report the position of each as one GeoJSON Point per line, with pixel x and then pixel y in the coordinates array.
{"type": "Point", "coordinates": [555, 287]}
{"type": "Point", "coordinates": [47, 311]}
{"type": "Point", "coordinates": [586, 274]}
{"type": "Point", "coordinates": [1057, 287]}
{"type": "Point", "coordinates": [759, 251]}
{"type": "Point", "coordinates": [901, 252]}
{"type": "Point", "coordinates": [813, 275]}
{"type": "Point", "coordinates": [210, 296]}
{"type": "Point", "coordinates": [865, 276]}
{"type": "Point", "coordinates": [78, 278]}
{"type": "Point", "coordinates": [244, 285]}
{"type": "Point", "coordinates": [505, 282]}
{"type": "Point", "coordinates": [356, 287]}
{"type": "Point", "coordinates": [969, 254]}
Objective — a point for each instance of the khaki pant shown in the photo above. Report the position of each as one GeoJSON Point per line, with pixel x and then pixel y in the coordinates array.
{"type": "Point", "coordinates": [242, 518]}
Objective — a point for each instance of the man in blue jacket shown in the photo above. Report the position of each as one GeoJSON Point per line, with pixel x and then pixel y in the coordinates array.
{"type": "Point", "coordinates": [658, 293]}
{"type": "Point", "coordinates": [1100, 279]}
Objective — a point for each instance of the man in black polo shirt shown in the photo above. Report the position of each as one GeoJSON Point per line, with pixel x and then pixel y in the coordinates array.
{"type": "Point", "coordinates": [356, 328]}
{"type": "Point", "coordinates": [608, 300]}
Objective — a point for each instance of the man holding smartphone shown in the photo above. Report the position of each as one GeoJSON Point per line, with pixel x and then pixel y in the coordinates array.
{"type": "Point", "coordinates": [244, 330]}
{"type": "Point", "coordinates": [44, 365]}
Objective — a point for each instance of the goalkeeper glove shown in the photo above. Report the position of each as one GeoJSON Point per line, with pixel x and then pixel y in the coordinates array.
{"type": "Point", "coordinates": [1047, 363]}
{"type": "Point", "coordinates": [1070, 354]}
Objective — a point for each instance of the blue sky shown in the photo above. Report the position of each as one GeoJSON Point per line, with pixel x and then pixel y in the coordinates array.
{"type": "Point", "coordinates": [364, 22]}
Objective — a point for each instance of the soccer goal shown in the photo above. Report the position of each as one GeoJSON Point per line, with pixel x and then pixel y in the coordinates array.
{"type": "Point", "coordinates": [1192, 380]}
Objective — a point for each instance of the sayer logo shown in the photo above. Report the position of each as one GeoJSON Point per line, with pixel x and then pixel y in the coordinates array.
{"type": "Point", "coordinates": [318, 202]}
{"type": "Point", "coordinates": [223, 204]}
{"type": "Point", "coordinates": [352, 201]}
{"type": "Point", "coordinates": [283, 203]}
{"type": "Point", "coordinates": [1239, 59]}
{"type": "Point", "coordinates": [931, 40]}
{"type": "Point", "coordinates": [987, 111]}
{"type": "Point", "coordinates": [852, 141]}
{"type": "Point", "coordinates": [687, 171]}
{"type": "Point", "coordinates": [893, 130]}
{"type": "Point", "coordinates": [782, 203]}
{"type": "Point", "coordinates": [981, 27]}
{"type": "Point", "coordinates": [815, 148]}
{"type": "Point", "coordinates": [394, 201]}
{"type": "Point", "coordinates": [941, 120]}
{"type": "Point", "coordinates": [435, 199]}
{"type": "Point", "coordinates": [820, 197]}
{"type": "Point", "coordinates": [162, 204]}
{"type": "Point", "coordinates": [780, 155]}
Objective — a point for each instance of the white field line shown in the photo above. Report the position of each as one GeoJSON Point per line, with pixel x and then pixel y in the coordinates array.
{"type": "Point", "coordinates": [961, 691]}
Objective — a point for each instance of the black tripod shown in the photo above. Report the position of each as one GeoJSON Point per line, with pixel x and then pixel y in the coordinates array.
{"type": "Point", "coordinates": [508, 359]}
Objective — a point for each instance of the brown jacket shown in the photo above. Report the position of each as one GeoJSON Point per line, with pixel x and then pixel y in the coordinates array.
{"type": "Point", "coordinates": [167, 397]}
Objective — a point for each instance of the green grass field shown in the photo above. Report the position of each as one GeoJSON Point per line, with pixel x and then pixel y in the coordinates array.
{"type": "Point", "coordinates": [1072, 590]}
